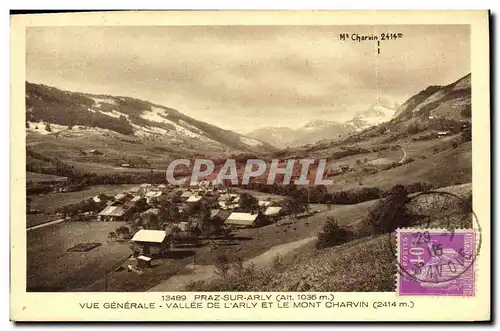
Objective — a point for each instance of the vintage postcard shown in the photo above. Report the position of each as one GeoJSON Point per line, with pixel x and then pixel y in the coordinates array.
{"type": "Point", "coordinates": [250, 166]}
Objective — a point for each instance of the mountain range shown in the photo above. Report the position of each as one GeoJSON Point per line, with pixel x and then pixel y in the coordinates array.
{"type": "Point", "coordinates": [133, 117]}
{"type": "Point", "coordinates": [128, 117]}
{"type": "Point", "coordinates": [318, 130]}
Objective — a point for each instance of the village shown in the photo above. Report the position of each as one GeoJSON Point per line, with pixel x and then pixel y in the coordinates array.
{"type": "Point", "coordinates": [161, 222]}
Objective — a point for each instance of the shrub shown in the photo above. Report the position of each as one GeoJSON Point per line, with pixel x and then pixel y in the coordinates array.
{"type": "Point", "coordinates": [332, 235]}
{"type": "Point", "coordinates": [466, 112]}
{"type": "Point", "coordinates": [413, 128]}
{"type": "Point", "coordinates": [123, 232]}
{"type": "Point", "coordinates": [390, 213]}
{"type": "Point", "coordinates": [356, 196]}
{"type": "Point", "coordinates": [408, 160]}
{"type": "Point", "coordinates": [222, 265]}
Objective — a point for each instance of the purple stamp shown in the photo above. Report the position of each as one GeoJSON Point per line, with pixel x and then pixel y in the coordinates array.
{"type": "Point", "coordinates": [436, 262]}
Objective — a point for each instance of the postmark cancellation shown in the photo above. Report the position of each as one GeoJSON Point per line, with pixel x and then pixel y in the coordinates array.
{"type": "Point", "coordinates": [436, 262]}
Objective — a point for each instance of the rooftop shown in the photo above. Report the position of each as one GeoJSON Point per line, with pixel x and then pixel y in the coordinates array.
{"type": "Point", "coordinates": [154, 236]}
{"type": "Point", "coordinates": [272, 211]}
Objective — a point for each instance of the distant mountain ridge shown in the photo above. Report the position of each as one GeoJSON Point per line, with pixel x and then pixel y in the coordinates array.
{"type": "Point", "coordinates": [128, 116]}
{"type": "Point", "coordinates": [310, 133]}
{"type": "Point", "coordinates": [319, 130]}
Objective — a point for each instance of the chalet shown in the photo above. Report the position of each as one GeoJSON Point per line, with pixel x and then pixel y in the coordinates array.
{"type": "Point", "coordinates": [443, 133]}
{"type": "Point", "coordinates": [264, 203]}
{"type": "Point", "coordinates": [227, 205]}
{"type": "Point", "coordinates": [205, 183]}
{"type": "Point", "coordinates": [100, 198]}
{"type": "Point", "coordinates": [123, 197]}
{"type": "Point", "coordinates": [272, 211]}
{"type": "Point", "coordinates": [243, 220]}
{"type": "Point", "coordinates": [143, 262]}
{"type": "Point", "coordinates": [95, 152]}
{"type": "Point", "coordinates": [194, 199]}
{"type": "Point", "coordinates": [185, 195]}
{"type": "Point", "coordinates": [152, 242]}
{"type": "Point", "coordinates": [152, 211]}
{"type": "Point", "coordinates": [114, 213]}
{"type": "Point", "coordinates": [235, 198]}
{"type": "Point", "coordinates": [193, 226]}
{"type": "Point", "coordinates": [152, 194]}
{"type": "Point", "coordinates": [136, 198]}
{"type": "Point", "coordinates": [220, 214]}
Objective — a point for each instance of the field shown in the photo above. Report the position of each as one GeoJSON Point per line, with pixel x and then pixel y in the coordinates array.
{"type": "Point", "coordinates": [51, 201]}
{"type": "Point", "coordinates": [50, 267]}
{"type": "Point", "coordinates": [34, 177]}
{"type": "Point", "coordinates": [363, 264]}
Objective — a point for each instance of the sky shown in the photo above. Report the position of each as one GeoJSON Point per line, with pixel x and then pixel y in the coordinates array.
{"type": "Point", "coordinates": [243, 78]}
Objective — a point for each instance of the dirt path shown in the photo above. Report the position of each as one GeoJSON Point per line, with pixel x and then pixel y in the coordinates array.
{"type": "Point", "coordinates": [45, 224]}
{"type": "Point", "coordinates": [207, 272]}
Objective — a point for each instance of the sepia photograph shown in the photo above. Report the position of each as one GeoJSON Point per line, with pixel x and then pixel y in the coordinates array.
{"type": "Point", "coordinates": [280, 160]}
{"type": "Point", "coordinates": [108, 109]}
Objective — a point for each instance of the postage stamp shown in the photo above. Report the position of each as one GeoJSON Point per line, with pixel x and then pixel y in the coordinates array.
{"type": "Point", "coordinates": [436, 262]}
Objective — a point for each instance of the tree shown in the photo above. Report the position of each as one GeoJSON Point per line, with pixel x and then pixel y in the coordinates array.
{"type": "Point", "coordinates": [466, 112]}
{"type": "Point", "coordinates": [391, 212]}
{"type": "Point", "coordinates": [292, 206]}
{"type": "Point", "coordinates": [123, 232]}
{"type": "Point", "coordinates": [27, 125]}
{"type": "Point", "coordinates": [222, 265]}
{"type": "Point", "coordinates": [112, 236]}
{"type": "Point", "coordinates": [48, 128]}
{"type": "Point", "coordinates": [332, 235]}
{"type": "Point", "coordinates": [248, 202]}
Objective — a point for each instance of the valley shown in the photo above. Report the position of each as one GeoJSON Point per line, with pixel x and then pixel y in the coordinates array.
{"type": "Point", "coordinates": [89, 156]}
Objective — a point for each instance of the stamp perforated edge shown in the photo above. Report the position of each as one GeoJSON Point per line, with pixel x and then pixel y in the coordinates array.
{"type": "Point", "coordinates": [397, 233]}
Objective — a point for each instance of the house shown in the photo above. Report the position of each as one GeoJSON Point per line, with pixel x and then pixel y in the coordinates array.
{"type": "Point", "coordinates": [126, 165]}
{"type": "Point", "coordinates": [95, 152]}
{"type": "Point", "coordinates": [114, 213]}
{"type": "Point", "coordinates": [264, 203]}
{"type": "Point", "coordinates": [235, 198]}
{"type": "Point", "coordinates": [100, 198]}
{"type": "Point", "coordinates": [152, 242]}
{"type": "Point", "coordinates": [205, 183]}
{"type": "Point", "coordinates": [194, 198]}
{"type": "Point", "coordinates": [152, 211]}
{"type": "Point", "coordinates": [243, 220]}
{"type": "Point", "coordinates": [185, 195]}
{"type": "Point", "coordinates": [227, 205]}
{"type": "Point", "coordinates": [220, 214]}
{"type": "Point", "coordinates": [143, 262]}
{"type": "Point", "coordinates": [152, 194]}
{"type": "Point", "coordinates": [123, 197]}
{"type": "Point", "coordinates": [136, 198]}
{"type": "Point", "coordinates": [272, 211]}
{"type": "Point", "coordinates": [443, 133]}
